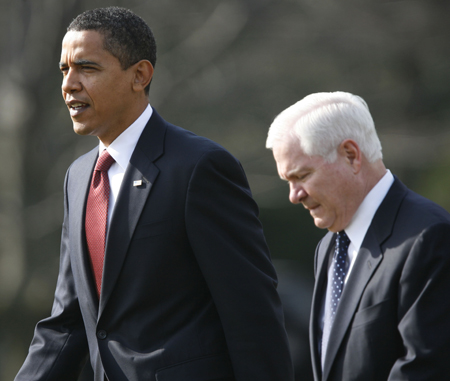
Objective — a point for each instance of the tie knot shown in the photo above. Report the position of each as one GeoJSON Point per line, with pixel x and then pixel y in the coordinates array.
{"type": "Point", "coordinates": [342, 242]}
{"type": "Point", "coordinates": [104, 162]}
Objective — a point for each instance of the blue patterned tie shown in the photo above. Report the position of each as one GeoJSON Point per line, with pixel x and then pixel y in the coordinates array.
{"type": "Point", "coordinates": [339, 269]}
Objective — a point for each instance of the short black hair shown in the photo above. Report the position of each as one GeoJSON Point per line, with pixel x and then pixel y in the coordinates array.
{"type": "Point", "coordinates": [126, 35]}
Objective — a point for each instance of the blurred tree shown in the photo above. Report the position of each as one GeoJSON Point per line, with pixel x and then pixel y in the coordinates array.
{"type": "Point", "coordinates": [30, 195]}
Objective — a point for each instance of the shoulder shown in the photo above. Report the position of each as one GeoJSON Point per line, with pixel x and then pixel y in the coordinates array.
{"type": "Point", "coordinates": [408, 211]}
{"type": "Point", "coordinates": [411, 224]}
{"type": "Point", "coordinates": [83, 164]}
{"type": "Point", "coordinates": [421, 211]}
{"type": "Point", "coordinates": [188, 142]}
{"type": "Point", "coordinates": [177, 143]}
{"type": "Point", "coordinates": [85, 159]}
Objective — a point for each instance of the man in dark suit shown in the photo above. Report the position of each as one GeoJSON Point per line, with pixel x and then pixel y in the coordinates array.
{"type": "Point", "coordinates": [164, 273]}
{"type": "Point", "coordinates": [380, 308]}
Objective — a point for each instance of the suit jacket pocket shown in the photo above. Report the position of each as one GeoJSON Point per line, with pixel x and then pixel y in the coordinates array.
{"type": "Point", "coordinates": [372, 313]}
{"type": "Point", "coordinates": [152, 229]}
{"type": "Point", "coordinates": [199, 369]}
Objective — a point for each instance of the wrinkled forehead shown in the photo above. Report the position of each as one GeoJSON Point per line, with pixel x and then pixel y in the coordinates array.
{"type": "Point", "coordinates": [291, 159]}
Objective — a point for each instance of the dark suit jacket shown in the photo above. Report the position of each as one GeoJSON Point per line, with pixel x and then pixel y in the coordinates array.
{"type": "Point", "coordinates": [189, 291]}
{"type": "Point", "coordinates": [393, 320]}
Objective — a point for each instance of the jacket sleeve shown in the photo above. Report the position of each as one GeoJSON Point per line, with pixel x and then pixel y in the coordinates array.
{"type": "Point", "coordinates": [228, 241]}
{"type": "Point", "coordinates": [423, 308]}
{"type": "Point", "coordinates": [59, 348]}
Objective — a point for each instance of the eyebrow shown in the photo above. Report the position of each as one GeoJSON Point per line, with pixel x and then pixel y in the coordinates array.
{"type": "Point", "coordinates": [297, 172]}
{"type": "Point", "coordinates": [80, 63]}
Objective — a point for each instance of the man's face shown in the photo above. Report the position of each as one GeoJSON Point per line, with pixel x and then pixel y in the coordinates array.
{"type": "Point", "coordinates": [325, 189]}
{"type": "Point", "coordinates": [96, 89]}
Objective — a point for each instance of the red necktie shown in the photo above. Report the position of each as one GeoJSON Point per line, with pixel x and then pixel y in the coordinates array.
{"type": "Point", "coordinates": [97, 216]}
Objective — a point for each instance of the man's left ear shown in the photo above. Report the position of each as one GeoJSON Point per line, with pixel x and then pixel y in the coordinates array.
{"type": "Point", "coordinates": [352, 153]}
{"type": "Point", "coordinates": [143, 73]}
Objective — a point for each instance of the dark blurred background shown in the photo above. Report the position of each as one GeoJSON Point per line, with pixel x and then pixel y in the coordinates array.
{"type": "Point", "coordinates": [225, 69]}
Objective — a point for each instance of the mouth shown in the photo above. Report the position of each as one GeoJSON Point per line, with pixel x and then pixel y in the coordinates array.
{"type": "Point", "coordinates": [76, 107]}
{"type": "Point", "coordinates": [311, 208]}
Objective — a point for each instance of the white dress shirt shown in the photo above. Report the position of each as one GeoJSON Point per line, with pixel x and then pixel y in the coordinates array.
{"type": "Point", "coordinates": [359, 224]}
{"type": "Point", "coordinates": [121, 150]}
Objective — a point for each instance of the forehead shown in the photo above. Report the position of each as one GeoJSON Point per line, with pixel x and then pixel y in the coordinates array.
{"type": "Point", "coordinates": [79, 44]}
{"type": "Point", "coordinates": [291, 159]}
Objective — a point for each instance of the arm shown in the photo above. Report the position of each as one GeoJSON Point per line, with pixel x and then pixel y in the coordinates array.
{"type": "Point", "coordinates": [424, 311]}
{"type": "Point", "coordinates": [227, 238]}
{"type": "Point", "coordinates": [59, 347]}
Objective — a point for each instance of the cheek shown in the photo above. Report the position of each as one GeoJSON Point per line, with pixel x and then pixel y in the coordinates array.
{"type": "Point", "coordinates": [324, 190]}
{"type": "Point", "coordinates": [328, 196]}
{"type": "Point", "coordinates": [339, 205]}
{"type": "Point", "coordinates": [109, 95]}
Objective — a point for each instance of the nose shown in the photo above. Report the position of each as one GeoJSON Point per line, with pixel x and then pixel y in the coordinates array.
{"type": "Point", "coordinates": [71, 83]}
{"type": "Point", "coordinates": [296, 193]}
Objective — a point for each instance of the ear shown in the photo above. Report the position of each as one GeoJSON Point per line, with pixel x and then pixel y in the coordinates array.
{"type": "Point", "coordinates": [143, 73]}
{"type": "Point", "coordinates": [352, 154]}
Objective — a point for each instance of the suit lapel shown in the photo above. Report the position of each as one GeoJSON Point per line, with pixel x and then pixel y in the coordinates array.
{"type": "Point", "coordinates": [131, 200]}
{"type": "Point", "coordinates": [369, 258]}
{"type": "Point", "coordinates": [79, 188]}
{"type": "Point", "coordinates": [321, 268]}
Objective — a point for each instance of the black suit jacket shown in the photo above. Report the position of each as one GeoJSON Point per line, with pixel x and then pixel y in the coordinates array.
{"type": "Point", "coordinates": [188, 292]}
{"type": "Point", "coordinates": [393, 320]}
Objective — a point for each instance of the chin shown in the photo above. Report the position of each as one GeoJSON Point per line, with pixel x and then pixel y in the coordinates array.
{"type": "Point", "coordinates": [81, 129]}
{"type": "Point", "coordinates": [321, 224]}
{"type": "Point", "coordinates": [335, 229]}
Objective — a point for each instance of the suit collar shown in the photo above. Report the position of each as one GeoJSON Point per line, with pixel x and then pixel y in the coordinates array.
{"type": "Point", "coordinates": [369, 257]}
{"type": "Point", "coordinates": [361, 220]}
{"type": "Point", "coordinates": [383, 221]}
{"type": "Point", "coordinates": [124, 145]}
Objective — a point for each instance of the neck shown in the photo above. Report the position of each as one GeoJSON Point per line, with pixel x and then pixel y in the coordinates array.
{"type": "Point", "coordinates": [134, 114]}
{"type": "Point", "coordinates": [373, 174]}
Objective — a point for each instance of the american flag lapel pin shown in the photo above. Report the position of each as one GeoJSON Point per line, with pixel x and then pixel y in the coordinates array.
{"type": "Point", "coordinates": [137, 183]}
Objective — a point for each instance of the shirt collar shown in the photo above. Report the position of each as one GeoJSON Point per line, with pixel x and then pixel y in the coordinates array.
{"type": "Point", "coordinates": [123, 146]}
{"type": "Point", "coordinates": [362, 219]}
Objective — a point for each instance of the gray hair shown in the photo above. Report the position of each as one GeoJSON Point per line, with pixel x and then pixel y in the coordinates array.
{"type": "Point", "coordinates": [322, 121]}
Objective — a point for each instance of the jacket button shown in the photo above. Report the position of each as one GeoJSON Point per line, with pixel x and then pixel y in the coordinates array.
{"type": "Point", "coordinates": [101, 334]}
